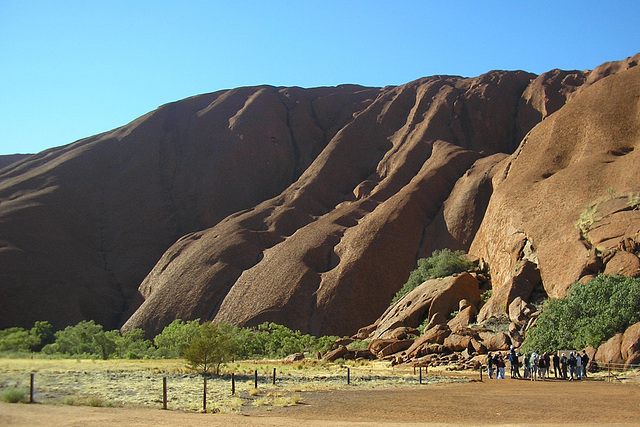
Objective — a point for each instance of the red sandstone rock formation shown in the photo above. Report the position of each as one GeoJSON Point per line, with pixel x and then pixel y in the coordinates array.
{"type": "Point", "coordinates": [328, 254]}
{"type": "Point", "coordinates": [528, 234]}
{"type": "Point", "coordinates": [82, 225]}
{"type": "Point", "coordinates": [309, 207]}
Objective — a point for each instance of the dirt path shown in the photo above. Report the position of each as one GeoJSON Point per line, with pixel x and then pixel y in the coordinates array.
{"type": "Point", "coordinates": [506, 402]}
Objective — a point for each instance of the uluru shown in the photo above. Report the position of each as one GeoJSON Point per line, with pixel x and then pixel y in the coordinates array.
{"type": "Point", "coordinates": [310, 207]}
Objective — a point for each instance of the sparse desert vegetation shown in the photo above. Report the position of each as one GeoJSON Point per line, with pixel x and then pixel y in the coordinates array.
{"type": "Point", "coordinates": [138, 383]}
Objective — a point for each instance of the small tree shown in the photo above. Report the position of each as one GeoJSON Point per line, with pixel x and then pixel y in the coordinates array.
{"type": "Point", "coordinates": [80, 339]}
{"type": "Point", "coordinates": [209, 349]}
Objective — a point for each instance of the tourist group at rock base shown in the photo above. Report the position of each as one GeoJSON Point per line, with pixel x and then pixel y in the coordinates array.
{"type": "Point", "coordinates": [537, 367]}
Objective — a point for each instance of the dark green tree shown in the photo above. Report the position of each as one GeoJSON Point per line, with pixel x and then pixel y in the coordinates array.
{"type": "Point", "coordinates": [42, 334]}
{"type": "Point", "coordinates": [590, 314]}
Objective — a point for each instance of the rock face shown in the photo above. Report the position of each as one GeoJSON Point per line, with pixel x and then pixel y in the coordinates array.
{"type": "Point", "coordinates": [82, 225]}
{"type": "Point", "coordinates": [529, 234]}
{"type": "Point", "coordinates": [309, 207]}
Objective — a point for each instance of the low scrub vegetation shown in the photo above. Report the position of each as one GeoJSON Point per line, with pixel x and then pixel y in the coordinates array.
{"type": "Point", "coordinates": [441, 263]}
{"type": "Point", "coordinates": [88, 340]}
{"type": "Point", "coordinates": [13, 395]}
{"type": "Point", "coordinates": [590, 314]}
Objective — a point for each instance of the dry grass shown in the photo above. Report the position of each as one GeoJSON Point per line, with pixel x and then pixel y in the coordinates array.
{"type": "Point", "coordinates": [138, 383]}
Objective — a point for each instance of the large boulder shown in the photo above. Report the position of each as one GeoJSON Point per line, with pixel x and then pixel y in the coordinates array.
{"type": "Point", "coordinates": [622, 348]}
{"type": "Point", "coordinates": [609, 352]}
{"type": "Point", "coordinates": [435, 299]}
{"type": "Point", "coordinates": [630, 345]}
{"type": "Point", "coordinates": [467, 313]}
{"type": "Point", "coordinates": [456, 342]}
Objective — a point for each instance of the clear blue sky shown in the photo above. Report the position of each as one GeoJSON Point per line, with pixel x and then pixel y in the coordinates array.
{"type": "Point", "coordinates": [71, 69]}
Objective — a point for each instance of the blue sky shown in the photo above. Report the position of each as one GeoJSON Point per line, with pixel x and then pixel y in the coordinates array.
{"type": "Point", "coordinates": [72, 69]}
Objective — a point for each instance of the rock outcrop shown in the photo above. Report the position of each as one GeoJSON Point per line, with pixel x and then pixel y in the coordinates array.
{"type": "Point", "coordinates": [530, 234]}
{"type": "Point", "coordinates": [309, 207]}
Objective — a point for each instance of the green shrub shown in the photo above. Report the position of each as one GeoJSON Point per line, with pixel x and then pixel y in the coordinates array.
{"type": "Point", "coordinates": [440, 264]}
{"type": "Point", "coordinates": [15, 340]}
{"type": "Point", "coordinates": [486, 295]}
{"type": "Point", "coordinates": [423, 326]}
{"type": "Point", "coordinates": [275, 341]}
{"type": "Point", "coordinates": [13, 395]}
{"type": "Point", "coordinates": [359, 345]}
{"type": "Point", "coordinates": [590, 314]}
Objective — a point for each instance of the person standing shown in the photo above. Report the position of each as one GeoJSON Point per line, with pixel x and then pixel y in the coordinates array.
{"type": "Point", "coordinates": [578, 366]}
{"type": "Point", "coordinates": [534, 366]}
{"type": "Point", "coordinates": [556, 365]}
{"type": "Point", "coordinates": [500, 364]}
{"type": "Point", "coordinates": [563, 363]}
{"type": "Point", "coordinates": [542, 367]}
{"type": "Point", "coordinates": [515, 364]}
{"type": "Point", "coordinates": [527, 366]}
{"type": "Point", "coordinates": [572, 366]}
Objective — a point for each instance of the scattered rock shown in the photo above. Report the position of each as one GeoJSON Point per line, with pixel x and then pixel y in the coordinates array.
{"type": "Point", "coordinates": [624, 263]}
{"type": "Point", "coordinates": [294, 357]}
{"type": "Point", "coordinates": [338, 353]}
{"type": "Point", "coordinates": [456, 342]}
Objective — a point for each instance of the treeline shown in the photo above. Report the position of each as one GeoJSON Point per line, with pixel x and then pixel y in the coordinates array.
{"type": "Point", "coordinates": [89, 340]}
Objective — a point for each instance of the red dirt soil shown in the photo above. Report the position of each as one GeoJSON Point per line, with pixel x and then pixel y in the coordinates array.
{"type": "Point", "coordinates": [505, 402]}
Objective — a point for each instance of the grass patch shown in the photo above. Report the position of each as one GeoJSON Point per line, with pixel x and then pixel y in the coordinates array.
{"type": "Point", "coordinates": [13, 395]}
{"type": "Point", "coordinates": [138, 383]}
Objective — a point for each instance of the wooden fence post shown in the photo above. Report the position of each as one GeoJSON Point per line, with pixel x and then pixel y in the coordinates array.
{"type": "Point", "coordinates": [255, 379]}
{"type": "Point", "coordinates": [274, 376]}
{"type": "Point", "coordinates": [164, 392]}
{"type": "Point", "coordinates": [31, 389]}
{"type": "Point", "coordinates": [204, 394]}
{"type": "Point", "coordinates": [348, 376]}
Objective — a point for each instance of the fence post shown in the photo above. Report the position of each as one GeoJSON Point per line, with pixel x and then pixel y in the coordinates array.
{"type": "Point", "coordinates": [420, 369]}
{"type": "Point", "coordinates": [31, 389]}
{"type": "Point", "coordinates": [480, 373]}
{"type": "Point", "coordinates": [274, 376]}
{"type": "Point", "coordinates": [255, 379]}
{"type": "Point", "coordinates": [164, 392]}
{"type": "Point", "coordinates": [348, 376]}
{"type": "Point", "coordinates": [204, 394]}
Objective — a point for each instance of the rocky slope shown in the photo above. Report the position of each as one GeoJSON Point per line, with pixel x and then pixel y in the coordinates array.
{"type": "Point", "coordinates": [309, 207]}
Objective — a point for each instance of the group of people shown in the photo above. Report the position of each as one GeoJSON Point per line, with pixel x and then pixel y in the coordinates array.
{"type": "Point", "coordinates": [537, 367]}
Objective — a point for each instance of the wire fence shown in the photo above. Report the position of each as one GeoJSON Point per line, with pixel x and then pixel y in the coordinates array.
{"type": "Point", "coordinates": [194, 392]}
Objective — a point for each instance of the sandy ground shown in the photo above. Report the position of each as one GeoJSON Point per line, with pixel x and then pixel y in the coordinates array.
{"type": "Point", "coordinates": [504, 402]}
